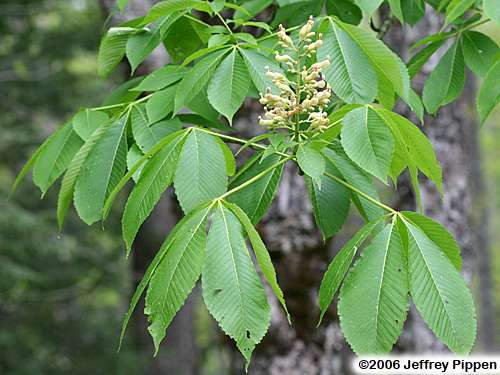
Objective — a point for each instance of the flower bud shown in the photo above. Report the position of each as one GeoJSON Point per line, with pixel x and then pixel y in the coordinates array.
{"type": "Point", "coordinates": [305, 31]}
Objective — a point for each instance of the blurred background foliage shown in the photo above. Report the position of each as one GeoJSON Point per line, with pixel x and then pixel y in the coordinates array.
{"type": "Point", "coordinates": [62, 297]}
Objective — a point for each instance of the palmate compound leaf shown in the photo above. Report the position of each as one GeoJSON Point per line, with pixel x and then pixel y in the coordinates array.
{"type": "Point", "coordinates": [439, 292]}
{"type": "Point", "coordinates": [197, 78]}
{"type": "Point", "coordinates": [368, 141]}
{"type": "Point", "coordinates": [350, 73]}
{"type": "Point", "coordinates": [232, 290]}
{"type": "Point", "coordinates": [261, 253]}
{"type": "Point", "coordinates": [201, 171]}
{"type": "Point", "coordinates": [339, 266]}
{"type": "Point", "coordinates": [373, 301]}
{"type": "Point", "coordinates": [55, 156]}
{"type": "Point", "coordinates": [330, 203]}
{"type": "Point", "coordinates": [489, 93]}
{"type": "Point", "coordinates": [101, 171]}
{"type": "Point", "coordinates": [356, 177]}
{"type": "Point", "coordinates": [175, 276]}
{"type": "Point", "coordinates": [155, 178]}
{"type": "Point", "coordinates": [184, 235]}
{"type": "Point", "coordinates": [447, 80]}
{"type": "Point", "coordinates": [256, 198]}
{"type": "Point", "coordinates": [229, 85]}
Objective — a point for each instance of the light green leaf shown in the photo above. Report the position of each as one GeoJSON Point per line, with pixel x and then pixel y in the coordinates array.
{"type": "Point", "coordinates": [101, 171]}
{"type": "Point", "coordinates": [480, 52]}
{"type": "Point", "coordinates": [330, 203]}
{"type": "Point", "coordinates": [261, 253]}
{"type": "Point", "coordinates": [350, 73]}
{"type": "Point", "coordinates": [140, 45]}
{"type": "Point", "coordinates": [373, 301]}
{"type": "Point", "coordinates": [256, 198]}
{"type": "Point", "coordinates": [368, 141]}
{"type": "Point", "coordinates": [167, 7]}
{"type": "Point", "coordinates": [70, 177]}
{"type": "Point", "coordinates": [386, 63]}
{"type": "Point", "coordinates": [134, 155]}
{"type": "Point", "coordinates": [122, 4]}
{"type": "Point", "coordinates": [155, 178]}
{"type": "Point", "coordinates": [161, 78]}
{"type": "Point", "coordinates": [357, 178]}
{"type": "Point", "coordinates": [55, 156]}
{"type": "Point", "coordinates": [112, 48]}
{"type": "Point", "coordinates": [175, 276]}
{"type": "Point", "coordinates": [187, 228]}
{"type": "Point", "coordinates": [369, 6]}
{"type": "Point", "coordinates": [492, 10]}
{"type": "Point", "coordinates": [418, 150]}
{"type": "Point", "coordinates": [439, 293]}
{"type": "Point", "coordinates": [311, 162]}
{"type": "Point", "coordinates": [229, 85]}
{"type": "Point", "coordinates": [256, 64]}
{"type": "Point", "coordinates": [196, 79]}
{"type": "Point", "coordinates": [338, 267]}
{"type": "Point", "coordinates": [489, 93]}
{"type": "Point", "coordinates": [201, 171]}
{"type": "Point", "coordinates": [161, 104]}
{"type": "Point", "coordinates": [455, 9]}
{"type": "Point", "coordinates": [232, 290]}
{"type": "Point", "coordinates": [229, 157]}
{"type": "Point", "coordinates": [447, 80]}
{"type": "Point", "coordinates": [87, 121]}
{"type": "Point", "coordinates": [437, 234]}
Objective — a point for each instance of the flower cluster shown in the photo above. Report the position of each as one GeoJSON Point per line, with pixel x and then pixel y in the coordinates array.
{"type": "Point", "coordinates": [302, 99]}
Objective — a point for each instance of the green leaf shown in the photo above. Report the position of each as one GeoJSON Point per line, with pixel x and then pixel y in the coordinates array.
{"type": "Point", "coordinates": [379, 281]}
{"type": "Point", "coordinates": [123, 94]}
{"type": "Point", "coordinates": [161, 104]}
{"type": "Point", "coordinates": [26, 167]}
{"type": "Point", "coordinates": [252, 8]}
{"type": "Point", "coordinates": [187, 228]}
{"type": "Point", "coordinates": [261, 253]}
{"type": "Point", "coordinates": [492, 10]}
{"type": "Point", "coordinates": [455, 9]}
{"type": "Point", "coordinates": [368, 6]}
{"type": "Point", "coordinates": [413, 11]}
{"type": "Point", "coordinates": [134, 155]}
{"type": "Point", "coordinates": [87, 121]}
{"type": "Point", "coordinates": [229, 85]}
{"type": "Point", "coordinates": [346, 10]}
{"type": "Point", "coordinates": [256, 64]}
{"type": "Point", "coordinates": [330, 203]}
{"type": "Point", "coordinates": [422, 56]}
{"type": "Point", "coordinates": [112, 48]}
{"type": "Point", "coordinates": [480, 52]}
{"type": "Point", "coordinates": [232, 290]}
{"type": "Point", "coordinates": [200, 104]}
{"type": "Point", "coordinates": [417, 148]}
{"type": "Point", "coordinates": [357, 178]}
{"type": "Point", "coordinates": [256, 198]}
{"type": "Point", "coordinates": [350, 73]}
{"type": "Point", "coordinates": [439, 293]}
{"type": "Point", "coordinates": [185, 37]}
{"type": "Point", "coordinates": [55, 156]}
{"type": "Point", "coordinates": [447, 80]}
{"type": "Point", "coordinates": [145, 135]}
{"type": "Point", "coordinates": [165, 8]}
{"type": "Point", "coordinates": [139, 47]}
{"type": "Point", "coordinates": [489, 93]}
{"type": "Point", "coordinates": [229, 157]}
{"type": "Point", "coordinates": [175, 276]}
{"type": "Point", "coordinates": [194, 81]}
{"type": "Point", "coordinates": [155, 178]}
{"type": "Point", "coordinates": [368, 141]}
{"type": "Point", "coordinates": [101, 171]}
{"type": "Point", "coordinates": [201, 171]}
{"type": "Point", "coordinates": [122, 4]}
{"type": "Point", "coordinates": [396, 10]}
{"type": "Point", "coordinates": [72, 173]}
{"type": "Point", "coordinates": [338, 267]}
{"type": "Point", "coordinates": [161, 78]}
{"type": "Point", "coordinates": [311, 162]}
{"type": "Point", "coordinates": [437, 234]}
{"type": "Point", "coordinates": [386, 63]}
